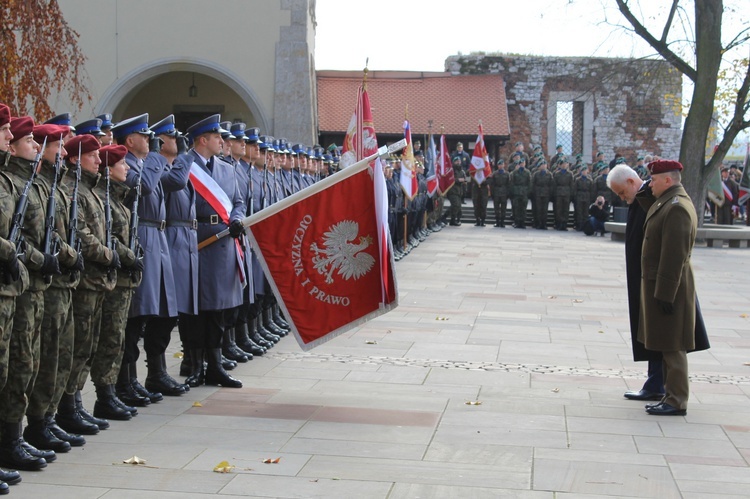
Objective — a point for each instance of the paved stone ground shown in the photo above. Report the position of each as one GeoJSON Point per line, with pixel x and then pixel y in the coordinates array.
{"type": "Point", "coordinates": [500, 374]}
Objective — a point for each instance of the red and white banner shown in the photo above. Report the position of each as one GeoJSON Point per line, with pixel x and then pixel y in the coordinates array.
{"type": "Point", "coordinates": [480, 168]}
{"type": "Point", "coordinates": [326, 253]}
{"type": "Point", "coordinates": [360, 140]}
{"type": "Point", "coordinates": [408, 179]}
{"type": "Point", "coordinates": [445, 174]}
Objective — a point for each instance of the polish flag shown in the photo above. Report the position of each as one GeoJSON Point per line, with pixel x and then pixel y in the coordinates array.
{"type": "Point", "coordinates": [326, 253]}
{"type": "Point", "coordinates": [360, 140]}
{"type": "Point", "coordinates": [408, 178]}
{"type": "Point", "coordinates": [480, 168]}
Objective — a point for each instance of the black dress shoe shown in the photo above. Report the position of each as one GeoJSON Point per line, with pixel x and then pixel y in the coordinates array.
{"type": "Point", "coordinates": [642, 395]}
{"type": "Point", "coordinates": [665, 409]}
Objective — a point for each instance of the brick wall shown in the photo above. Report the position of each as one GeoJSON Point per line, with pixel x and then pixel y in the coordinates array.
{"type": "Point", "coordinates": [611, 89]}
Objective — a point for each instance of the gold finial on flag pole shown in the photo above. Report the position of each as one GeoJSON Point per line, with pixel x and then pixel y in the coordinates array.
{"type": "Point", "coordinates": [365, 71]}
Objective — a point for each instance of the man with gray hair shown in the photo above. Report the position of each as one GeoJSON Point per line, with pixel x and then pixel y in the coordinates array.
{"type": "Point", "coordinates": [626, 183]}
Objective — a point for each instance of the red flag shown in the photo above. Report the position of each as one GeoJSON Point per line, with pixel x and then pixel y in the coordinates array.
{"type": "Point", "coordinates": [432, 185]}
{"type": "Point", "coordinates": [326, 253]}
{"type": "Point", "coordinates": [360, 140]}
{"type": "Point", "coordinates": [408, 179]}
{"type": "Point", "coordinates": [445, 174]}
{"type": "Point", "coordinates": [480, 168]}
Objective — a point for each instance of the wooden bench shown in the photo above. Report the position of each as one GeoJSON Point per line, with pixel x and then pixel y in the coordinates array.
{"type": "Point", "coordinates": [735, 236]}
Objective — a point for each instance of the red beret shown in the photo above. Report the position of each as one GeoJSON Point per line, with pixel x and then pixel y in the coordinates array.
{"type": "Point", "coordinates": [111, 154]}
{"type": "Point", "coordinates": [87, 143]}
{"type": "Point", "coordinates": [4, 115]}
{"type": "Point", "coordinates": [664, 166]}
{"type": "Point", "coordinates": [52, 133]}
{"type": "Point", "coordinates": [21, 127]}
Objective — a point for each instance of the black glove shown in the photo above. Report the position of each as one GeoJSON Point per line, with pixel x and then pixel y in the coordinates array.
{"type": "Point", "coordinates": [137, 265]}
{"type": "Point", "coordinates": [154, 143]}
{"type": "Point", "coordinates": [182, 144]}
{"type": "Point", "coordinates": [115, 264]}
{"type": "Point", "coordinates": [50, 266]}
{"type": "Point", "coordinates": [12, 270]}
{"type": "Point", "coordinates": [666, 307]}
{"type": "Point", "coordinates": [236, 229]}
{"type": "Point", "coordinates": [78, 265]}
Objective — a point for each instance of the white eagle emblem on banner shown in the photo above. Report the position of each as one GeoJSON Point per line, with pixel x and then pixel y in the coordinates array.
{"type": "Point", "coordinates": [338, 253]}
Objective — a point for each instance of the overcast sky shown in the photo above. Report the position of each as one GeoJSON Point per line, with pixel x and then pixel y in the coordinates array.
{"type": "Point", "coordinates": [419, 34]}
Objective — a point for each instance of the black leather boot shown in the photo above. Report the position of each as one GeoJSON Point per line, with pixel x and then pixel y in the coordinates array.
{"type": "Point", "coordinates": [227, 364]}
{"type": "Point", "coordinates": [279, 319]}
{"type": "Point", "coordinates": [257, 334]}
{"type": "Point", "coordinates": [197, 374]}
{"type": "Point", "coordinates": [215, 373]}
{"type": "Point", "coordinates": [72, 439]}
{"type": "Point", "coordinates": [124, 389]}
{"type": "Point", "coordinates": [12, 453]}
{"type": "Point", "coordinates": [185, 366]}
{"type": "Point", "coordinates": [103, 424]}
{"type": "Point", "coordinates": [229, 348]}
{"type": "Point", "coordinates": [70, 420]}
{"type": "Point", "coordinates": [243, 340]}
{"type": "Point", "coordinates": [269, 324]}
{"type": "Point", "coordinates": [158, 380]}
{"type": "Point", "coordinates": [11, 477]}
{"type": "Point", "coordinates": [140, 389]}
{"type": "Point", "coordinates": [131, 409]}
{"type": "Point", "coordinates": [106, 407]}
{"type": "Point", "coordinates": [38, 435]}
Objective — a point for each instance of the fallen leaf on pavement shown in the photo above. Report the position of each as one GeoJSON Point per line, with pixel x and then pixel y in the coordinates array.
{"type": "Point", "coordinates": [474, 402]}
{"type": "Point", "coordinates": [197, 404]}
{"type": "Point", "coordinates": [223, 467]}
{"type": "Point", "coordinates": [371, 342]}
{"type": "Point", "coordinates": [178, 355]}
{"type": "Point", "coordinates": [555, 390]}
{"type": "Point", "coordinates": [134, 460]}
{"type": "Point", "coordinates": [272, 461]}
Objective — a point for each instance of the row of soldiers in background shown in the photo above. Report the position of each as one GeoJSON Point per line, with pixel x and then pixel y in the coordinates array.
{"type": "Point", "coordinates": [91, 265]}
{"type": "Point", "coordinates": [410, 221]}
{"type": "Point", "coordinates": [560, 183]}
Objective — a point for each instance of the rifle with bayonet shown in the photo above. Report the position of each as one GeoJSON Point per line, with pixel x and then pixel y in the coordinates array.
{"type": "Point", "coordinates": [73, 240]}
{"type": "Point", "coordinates": [51, 243]}
{"type": "Point", "coordinates": [133, 243]}
{"type": "Point", "coordinates": [109, 241]}
{"type": "Point", "coordinates": [16, 236]}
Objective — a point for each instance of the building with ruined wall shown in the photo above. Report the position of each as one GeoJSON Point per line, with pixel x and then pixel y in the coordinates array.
{"type": "Point", "coordinates": [625, 106]}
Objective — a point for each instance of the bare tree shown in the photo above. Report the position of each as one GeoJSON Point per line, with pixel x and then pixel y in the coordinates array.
{"type": "Point", "coordinates": [39, 59]}
{"type": "Point", "coordinates": [704, 70]}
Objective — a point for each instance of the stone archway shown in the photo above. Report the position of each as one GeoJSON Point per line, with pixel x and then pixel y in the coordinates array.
{"type": "Point", "coordinates": [119, 97]}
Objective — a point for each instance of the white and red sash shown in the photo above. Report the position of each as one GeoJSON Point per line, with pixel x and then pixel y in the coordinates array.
{"type": "Point", "coordinates": [208, 189]}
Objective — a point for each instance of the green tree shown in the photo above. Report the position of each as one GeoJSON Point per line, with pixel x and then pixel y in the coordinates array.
{"type": "Point", "coordinates": [697, 51]}
{"type": "Point", "coordinates": [40, 58]}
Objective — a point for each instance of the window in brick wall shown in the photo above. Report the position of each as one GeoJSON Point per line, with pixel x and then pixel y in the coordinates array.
{"type": "Point", "coordinates": [569, 126]}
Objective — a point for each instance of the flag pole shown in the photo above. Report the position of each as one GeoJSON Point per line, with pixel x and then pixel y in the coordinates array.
{"type": "Point", "coordinates": [247, 221]}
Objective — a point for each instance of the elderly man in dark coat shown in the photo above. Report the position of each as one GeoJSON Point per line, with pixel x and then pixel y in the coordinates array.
{"type": "Point", "coordinates": [668, 307]}
{"type": "Point", "coordinates": [626, 183]}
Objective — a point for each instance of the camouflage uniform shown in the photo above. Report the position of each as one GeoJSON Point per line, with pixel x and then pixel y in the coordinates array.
{"type": "Point", "coordinates": [107, 357]}
{"type": "Point", "coordinates": [88, 297]}
{"type": "Point", "coordinates": [23, 357]}
{"type": "Point", "coordinates": [57, 321]}
{"type": "Point", "coordinates": [8, 292]}
{"type": "Point", "coordinates": [479, 195]}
